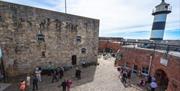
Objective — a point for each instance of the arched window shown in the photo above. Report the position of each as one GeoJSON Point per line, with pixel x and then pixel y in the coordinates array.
{"type": "Point", "coordinates": [83, 50]}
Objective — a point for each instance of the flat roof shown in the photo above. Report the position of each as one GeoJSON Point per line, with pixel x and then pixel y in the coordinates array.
{"type": "Point", "coordinates": [5, 2]}
{"type": "Point", "coordinates": [173, 53]}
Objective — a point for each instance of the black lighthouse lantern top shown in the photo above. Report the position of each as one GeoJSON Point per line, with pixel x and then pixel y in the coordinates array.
{"type": "Point", "coordinates": [162, 8]}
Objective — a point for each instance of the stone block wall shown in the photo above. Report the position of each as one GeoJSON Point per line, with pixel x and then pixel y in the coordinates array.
{"type": "Point", "coordinates": [31, 37]}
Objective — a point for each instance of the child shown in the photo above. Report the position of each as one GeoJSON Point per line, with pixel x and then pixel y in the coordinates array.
{"type": "Point", "coordinates": [22, 86]}
{"type": "Point", "coordinates": [69, 83]}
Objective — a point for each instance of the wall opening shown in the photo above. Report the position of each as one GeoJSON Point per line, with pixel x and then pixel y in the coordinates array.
{"type": "Point", "coordinates": [83, 50]}
{"type": "Point", "coordinates": [74, 60]}
{"type": "Point", "coordinates": [78, 39]}
{"type": "Point", "coordinates": [162, 79]}
{"type": "Point", "coordinates": [43, 54]}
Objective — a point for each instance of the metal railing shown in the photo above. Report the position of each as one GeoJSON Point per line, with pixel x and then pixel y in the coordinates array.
{"type": "Point", "coordinates": [164, 9]}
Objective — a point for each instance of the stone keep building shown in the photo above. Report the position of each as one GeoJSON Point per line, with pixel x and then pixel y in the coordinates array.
{"type": "Point", "coordinates": [31, 37]}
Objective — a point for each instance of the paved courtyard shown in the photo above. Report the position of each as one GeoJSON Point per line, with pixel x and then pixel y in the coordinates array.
{"type": "Point", "coordinates": [101, 78]}
{"type": "Point", "coordinates": [105, 79]}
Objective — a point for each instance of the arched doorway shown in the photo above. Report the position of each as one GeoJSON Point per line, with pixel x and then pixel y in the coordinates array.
{"type": "Point", "coordinates": [74, 60]}
{"type": "Point", "coordinates": [162, 79]}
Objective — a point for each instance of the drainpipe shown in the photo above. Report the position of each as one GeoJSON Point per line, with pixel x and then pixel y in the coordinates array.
{"type": "Point", "coordinates": [150, 64]}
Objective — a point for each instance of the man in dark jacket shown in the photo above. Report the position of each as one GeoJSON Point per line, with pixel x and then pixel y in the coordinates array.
{"type": "Point", "coordinates": [78, 73]}
{"type": "Point", "coordinates": [35, 83]}
{"type": "Point", "coordinates": [64, 85]}
{"type": "Point", "coordinates": [54, 76]}
{"type": "Point", "coordinates": [61, 72]}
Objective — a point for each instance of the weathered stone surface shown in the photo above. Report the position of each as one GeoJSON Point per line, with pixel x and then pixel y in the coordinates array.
{"type": "Point", "coordinates": [20, 25]}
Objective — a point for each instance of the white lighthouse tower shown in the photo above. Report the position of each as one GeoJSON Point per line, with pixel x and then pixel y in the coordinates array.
{"type": "Point", "coordinates": [160, 13]}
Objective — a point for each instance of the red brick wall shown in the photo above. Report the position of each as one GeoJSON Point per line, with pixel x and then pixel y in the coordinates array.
{"type": "Point", "coordinates": [142, 58]}
{"type": "Point", "coordinates": [109, 44]}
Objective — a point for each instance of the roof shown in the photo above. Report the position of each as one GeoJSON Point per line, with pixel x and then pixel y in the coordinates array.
{"type": "Point", "coordinates": [173, 53]}
{"type": "Point", "coordinates": [4, 2]}
{"type": "Point", "coordinates": [162, 3]}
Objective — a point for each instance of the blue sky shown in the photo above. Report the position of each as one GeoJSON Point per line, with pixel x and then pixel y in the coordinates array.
{"type": "Point", "coordinates": [118, 18]}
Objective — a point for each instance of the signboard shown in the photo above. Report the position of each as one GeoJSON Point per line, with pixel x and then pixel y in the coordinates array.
{"type": "Point", "coordinates": [164, 61]}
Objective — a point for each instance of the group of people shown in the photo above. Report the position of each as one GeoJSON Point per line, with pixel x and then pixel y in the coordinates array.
{"type": "Point", "coordinates": [125, 75]}
{"type": "Point", "coordinates": [66, 85]}
{"type": "Point", "coordinates": [151, 81]}
{"type": "Point", "coordinates": [25, 84]}
{"type": "Point", "coordinates": [57, 74]}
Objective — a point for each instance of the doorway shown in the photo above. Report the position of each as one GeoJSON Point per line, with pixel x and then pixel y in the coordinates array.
{"type": "Point", "coordinates": [162, 79]}
{"type": "Point", "coordinates": [135, 68]}
{"type": "Point", "coordinates": [74, 60]}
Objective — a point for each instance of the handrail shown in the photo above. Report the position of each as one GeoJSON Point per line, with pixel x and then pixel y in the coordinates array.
{"type": "Point", "coordinates": [168, 9]}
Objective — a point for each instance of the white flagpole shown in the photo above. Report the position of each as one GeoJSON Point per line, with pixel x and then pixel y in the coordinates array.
{"type": "Point", "coordinates": [65, 7]}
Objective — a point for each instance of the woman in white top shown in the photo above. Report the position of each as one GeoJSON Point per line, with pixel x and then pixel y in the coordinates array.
{"type": "Point", "coordinates": [38, 74]}
{"type": "Point", "coordinates": [28, 79]}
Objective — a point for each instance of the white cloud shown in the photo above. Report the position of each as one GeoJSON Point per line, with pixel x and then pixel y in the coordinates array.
{"type": "Point", "coordinates": [115, 15]}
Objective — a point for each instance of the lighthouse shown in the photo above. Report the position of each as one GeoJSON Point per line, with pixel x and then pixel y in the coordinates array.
{"type": "Point", "coordinates": [160, 13]}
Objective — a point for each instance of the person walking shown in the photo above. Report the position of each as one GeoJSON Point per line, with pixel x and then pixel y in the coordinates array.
{"type": "Point", "coordinates": [35, 83]}
{"type": "Point", "coordinates": [64, 85]}
{"type": "Point", "coordinates": [54, 76]}
{"type": "Point", "coordinates": [38, 73]}
{"type": "Point", "coordinates": [22, 85]}
{"type": "Point", "coordinates": [61, 72]}
{"type": "Point", "coordinates": [119, 70]}
{"type": "Point", "coordinates": [78, 73]}
{"type": "Point", "coordinates": [1, 76]}
{"type": "Point", "coordinates": [28, 81]}
{"type": "Point", "coordinates": [153, 84]}
{"type": "Point", "coordinates": [124, 77]}
{"type": "Point", "coordinates": [69, 83]}
{"type": "Point", "coordinates": [149, 79]}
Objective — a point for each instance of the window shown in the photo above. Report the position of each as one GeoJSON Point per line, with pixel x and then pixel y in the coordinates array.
{"type": "Point", "coordinates": [83, 50]}
{"type": "Point", "coordinates": [43, 54]}
{"type": "Point", "coordinates": [145, 70]}
{"type": "Point", "coordinates": [40, 37]}
{"type": "Point", "coordinates": [166, 7]}
{"type": "Point", "coordinates": [78, 38]}
{"type": "Point", "coordinates": [135, 69]}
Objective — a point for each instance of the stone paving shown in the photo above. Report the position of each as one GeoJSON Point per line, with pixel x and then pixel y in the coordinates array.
{"type": "Point", "coordinates": [101, 78]}
{"type": "Point", "coordinates": [3, 86]}
{"type": "Point", "coordinates": [106, 79]}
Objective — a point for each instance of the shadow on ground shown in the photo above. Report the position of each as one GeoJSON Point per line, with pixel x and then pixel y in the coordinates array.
{"type": "Point", "coordinates": [87, 75]}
